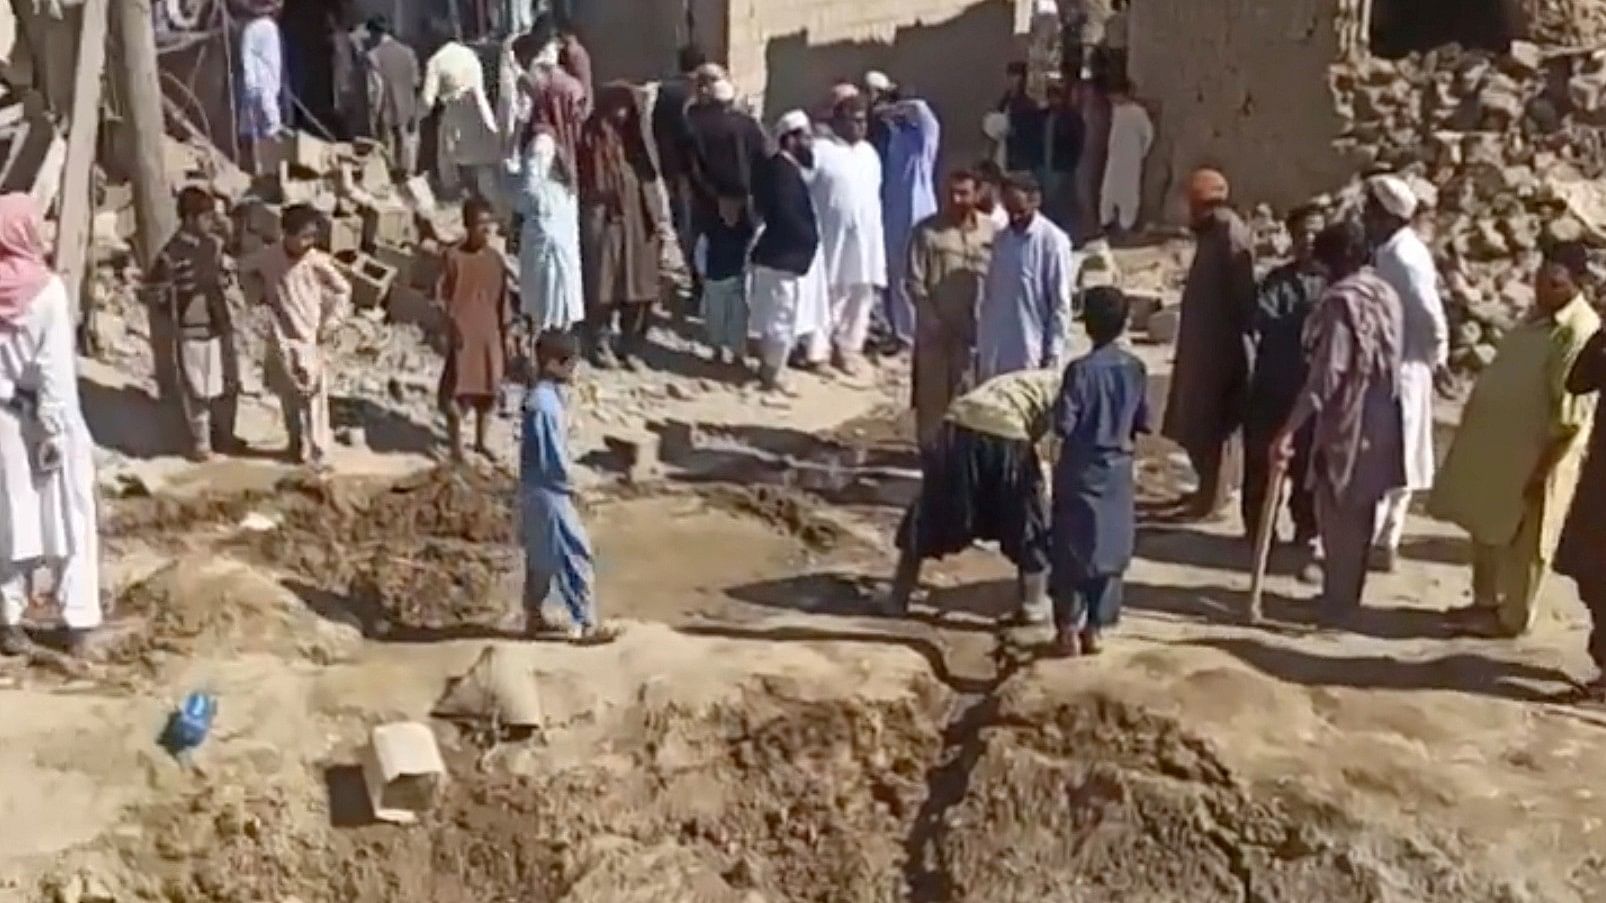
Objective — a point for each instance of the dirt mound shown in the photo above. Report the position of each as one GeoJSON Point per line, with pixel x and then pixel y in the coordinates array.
{"type": "Point", "coordinates": [425, 553]}
{"type": "Point", "coordinates": [787, 509]}
{"type": "Point", "coordinates": [1124, 805]}
{"type": "Point", "coordinates": [780, 800]}
{"type": "Point", "coordinates": [214, 604]}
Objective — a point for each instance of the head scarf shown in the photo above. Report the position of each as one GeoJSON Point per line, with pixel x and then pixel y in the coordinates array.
{"type": "Point", "coordinates": [1392, 194]}
{"type": "Point", "coordinates": [613, 156]}
{"type": "Point", "coordinates": [1207, 186]}
{"type": "Point", "coordinates": [23, 270]}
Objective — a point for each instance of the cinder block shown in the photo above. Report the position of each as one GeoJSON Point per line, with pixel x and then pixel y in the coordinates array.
{"type": "Point", "coordinates": [311, 153]}
{"type": "Point", "coordinates": [370, 279]}
{"type": "Point", "coordinates": [388, 224]}
{"type": "Point", "coordinates": [262, 220]}
{"type": "Point", "coordinates": [230, 183]}
{"type": "Point", "coordinates": [1163, 325]}
{"type": "Point", "coordinates": [677, 439]}
{"type": "Point", "coordinates": [403, 771]}
{"type": "Point", "coordinates": [637, 454]}
{"type": "Point", "coordinates": [373, 172]}
{"type": "Point", "coordinates": [418, 195]}
{"type": "Point", "coordinates": [396, 258]}
{"type": "Point", "coordinates": [345, 234]}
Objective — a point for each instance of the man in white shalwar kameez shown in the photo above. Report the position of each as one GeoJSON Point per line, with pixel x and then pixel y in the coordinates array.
{"type": "Point", "coordinates": [1131, 138]}
{"type": "Point", "coordinates": [47, 465]}
{"type": "Point", "coordinates": [1406, 263]}
{"type": "Point", "coordinates": [787, 288]}
{"type": "Point", "coordinates": [846, 187]}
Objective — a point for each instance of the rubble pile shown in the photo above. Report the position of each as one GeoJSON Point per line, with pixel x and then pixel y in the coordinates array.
{"type": "Point", "coordinates": [1504, 151]}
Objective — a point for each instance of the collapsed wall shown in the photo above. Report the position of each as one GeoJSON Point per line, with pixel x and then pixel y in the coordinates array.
{"type": "Point", "coordinates": [1505, 148]}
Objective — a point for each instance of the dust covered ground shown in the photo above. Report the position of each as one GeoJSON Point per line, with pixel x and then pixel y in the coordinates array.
{"type": "Point", "coordinates": [758, 733]}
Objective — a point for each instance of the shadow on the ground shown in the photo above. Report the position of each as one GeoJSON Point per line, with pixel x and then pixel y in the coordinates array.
{"type": "Point", "coordinates": [1462, 671]}
{"type": "Point", "coordinates": [131, 421]}
{"type": "Point", "coordinates": [386, 431]}
{"type": "Point", "coordinates": [355, 610]}
{"type": "Point", "coordinates": [1224, 605]}
{"type": "Point", "coordinates": [1452, 550]}
{"type": "Point", "coordinates": [1193, 548]}
{"type": "Point", "coordinates": [349, 806]}
{"type": "Point", "coordinates": [849, 595]}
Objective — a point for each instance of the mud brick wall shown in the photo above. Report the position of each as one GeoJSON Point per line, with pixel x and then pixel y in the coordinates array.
{"type": "Point", "coordinates": [1241, 84]}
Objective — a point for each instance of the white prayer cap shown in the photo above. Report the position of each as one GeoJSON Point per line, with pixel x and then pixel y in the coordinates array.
{"type": "Point", "coordinates": [1393, 194]}
{"type": "Point", "coordinates": [995, 125]}
{"type": "Point", "coordinates": [877, 80]}
{"type": "Point", "coordinates": [794, 121]}
{"type": "Point", "coordinates": [722, 90]}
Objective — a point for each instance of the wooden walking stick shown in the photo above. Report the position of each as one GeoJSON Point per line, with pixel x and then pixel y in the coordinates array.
{"type": "Point", "coordinates": [1270, 504]}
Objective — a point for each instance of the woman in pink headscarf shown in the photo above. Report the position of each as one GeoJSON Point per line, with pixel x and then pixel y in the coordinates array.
{"type": "Point", "coordinates": [47, 478]}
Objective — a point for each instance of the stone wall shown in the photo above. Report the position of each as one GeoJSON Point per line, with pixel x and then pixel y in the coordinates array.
{"type": "Point", "coordinates": [1241, 84]}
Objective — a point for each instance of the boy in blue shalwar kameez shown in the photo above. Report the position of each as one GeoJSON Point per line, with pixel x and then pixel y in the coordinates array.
{"type": "Point", "coordinates": [1102, 407]}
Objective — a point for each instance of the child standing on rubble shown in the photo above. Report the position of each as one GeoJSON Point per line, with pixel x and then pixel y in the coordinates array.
{"type": "Point", "coordinates": [189, 277]}
{"type": "Point", "coordinates": [473, 292]}
{"type": "Point", "coordinates": [557, 551]}
{"type": "Point", "coordinates": [305, 294]}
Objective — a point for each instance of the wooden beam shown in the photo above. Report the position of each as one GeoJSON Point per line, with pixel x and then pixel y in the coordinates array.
{"type": "Point", "coordinates": [76, 217]}
{"type": "Point", "coordinates": [141, 81]}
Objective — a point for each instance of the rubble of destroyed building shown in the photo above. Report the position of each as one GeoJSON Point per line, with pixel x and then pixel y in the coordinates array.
{"type": "Point", "coordinates": [1505, 148]}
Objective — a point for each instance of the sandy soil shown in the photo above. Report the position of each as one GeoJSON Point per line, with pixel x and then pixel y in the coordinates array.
{"type": "Point", "coordinates": [757, 733]}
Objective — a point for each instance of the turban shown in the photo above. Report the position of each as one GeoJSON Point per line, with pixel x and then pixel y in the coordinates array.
{"type": "Point", "coordinates": [794, 121]}
{"type": "Point", "coordinates": [1207, 186]}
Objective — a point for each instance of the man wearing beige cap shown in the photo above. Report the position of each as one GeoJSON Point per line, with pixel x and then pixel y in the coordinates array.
{"type": "Point", "coordinates": [1407, 265]}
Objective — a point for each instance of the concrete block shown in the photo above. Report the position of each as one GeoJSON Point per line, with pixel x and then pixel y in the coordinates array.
{"type": "Point", "coordinates": [370, 279]}
{"type": "Point", "coordinates": [345, 234]}
{"type": "Point", "coordinates": [262, 220]}
{"type": "Point", "coordinates": [403, 771]}
{"type": "Point", "coordinates": [408, 305]}
{"type": "Point", "coordinates": [230, 182]}
{"type": "Point", "coordinates": [1142, 307]}
{"type": "Point", "coordinates": [637, 454]}
{"type": "Point", "coordinates": [677, 439]}
{"type": "Point", "coordinates": [418, 195]}
{"type": "Point", "coordinates": [311, 153]}
{"type": "Point", "coordinates": [373, 173]}
{"type": "Point", "coordinates": [396, 258]}
{"type": "Point", "coordinates": [388, 224]}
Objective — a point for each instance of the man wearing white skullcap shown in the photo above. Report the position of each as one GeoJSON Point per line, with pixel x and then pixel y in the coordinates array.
{"type": "Point", "coordinates": [1406, 264]}
{"type": "Point", "coordinates": [786, 283]}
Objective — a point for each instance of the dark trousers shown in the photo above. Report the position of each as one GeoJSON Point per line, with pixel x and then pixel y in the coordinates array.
{"type": "Point", "coordinates": [1092, 603]}
{"type": "Point", "coordinates": [1257, 469]}
{"type": "Point", "coordinates": [1347, 530]}
{"type": "Point", "coordinates": [621, 327]}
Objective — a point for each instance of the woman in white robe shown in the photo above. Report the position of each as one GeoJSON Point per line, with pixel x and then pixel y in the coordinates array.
{"type": "Point", "coordinates": [549, 238]}
{"type": "Point", "coordinates": [46, 453]}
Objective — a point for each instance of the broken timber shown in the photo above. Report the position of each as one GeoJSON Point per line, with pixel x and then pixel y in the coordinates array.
{"type": "Point", "coordinates": [73, 230]}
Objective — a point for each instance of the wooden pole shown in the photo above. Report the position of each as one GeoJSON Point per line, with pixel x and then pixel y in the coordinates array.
{"type": "Point", "coordinates": [75, 217]}
{"type": "Point", "coordinates": [142, 89]}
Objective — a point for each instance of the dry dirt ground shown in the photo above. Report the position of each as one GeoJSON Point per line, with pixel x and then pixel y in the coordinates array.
{"type": "Point", "coordinates": [757, 733]}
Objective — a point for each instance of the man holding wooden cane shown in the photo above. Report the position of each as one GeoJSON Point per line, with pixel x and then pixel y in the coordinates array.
{"type": "Point", "coordinates": [1351, 401]}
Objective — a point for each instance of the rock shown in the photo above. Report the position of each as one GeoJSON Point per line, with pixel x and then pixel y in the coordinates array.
{"type": "Point", "coordinates": [637, 453]}
{"type": "Point", "coordinates": [1484, 354]}
{"type": "Point", "coordinates": [1523, 59]}
{"type": "Point", "coordinates": [1543, 114]}
{"type": "Point", "coordinates": [677, 391]}
{"type": "Point", "coordinates": [1500, 103]}
{"type": "Point", "coordinates": [1487, 242]}
{"type": "Point", "coordinates": [403, 771]}
{"type": "Point", "coordinates": [1521, 232]}
{"type": "Point", "coordinates": [1563, 228]}
{"type": "Point", "coordinates": [1587, 91]}
{"type": "Point", "coordinates": [1163, 325]}
{"type": "Point", "coordinates": [1467, 333]}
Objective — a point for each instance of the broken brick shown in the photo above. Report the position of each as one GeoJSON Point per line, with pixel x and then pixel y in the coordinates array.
{"type": "Point", "coordinates": [311, 153]}
{"type": "Point", "coordinates": [345, 234]}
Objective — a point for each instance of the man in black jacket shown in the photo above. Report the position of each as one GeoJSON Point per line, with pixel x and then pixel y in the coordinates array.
{"type": "Point", "coordinates": [784, 277]}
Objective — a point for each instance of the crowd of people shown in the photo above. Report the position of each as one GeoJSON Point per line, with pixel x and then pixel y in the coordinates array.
{"type": "Point", "coordinates": [826, 233]}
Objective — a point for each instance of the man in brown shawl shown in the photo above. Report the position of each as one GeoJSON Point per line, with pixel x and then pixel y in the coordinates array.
{"type": "Point", "coordinates": [618, 228]}
{"type": "Point", "coordinates": [1208, 383]}
{"type": "Point", "coordinates": [1351, 398]}
{"type": "Point", "coordinates": [948, 257]}
{"type": "Point", "coordinates": [1582, 553]}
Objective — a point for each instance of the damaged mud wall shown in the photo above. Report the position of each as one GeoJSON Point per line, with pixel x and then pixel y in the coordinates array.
{"type": "Point", "coordinates": [1241, 84]}
{"type": "Point", "coordinates": [787, 53]}
{"type": "Point", "coordinates": [638, 39]}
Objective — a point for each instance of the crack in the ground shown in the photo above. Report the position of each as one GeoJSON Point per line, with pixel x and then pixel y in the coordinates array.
{"type": "Point", "coordinates": [948, 781]}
